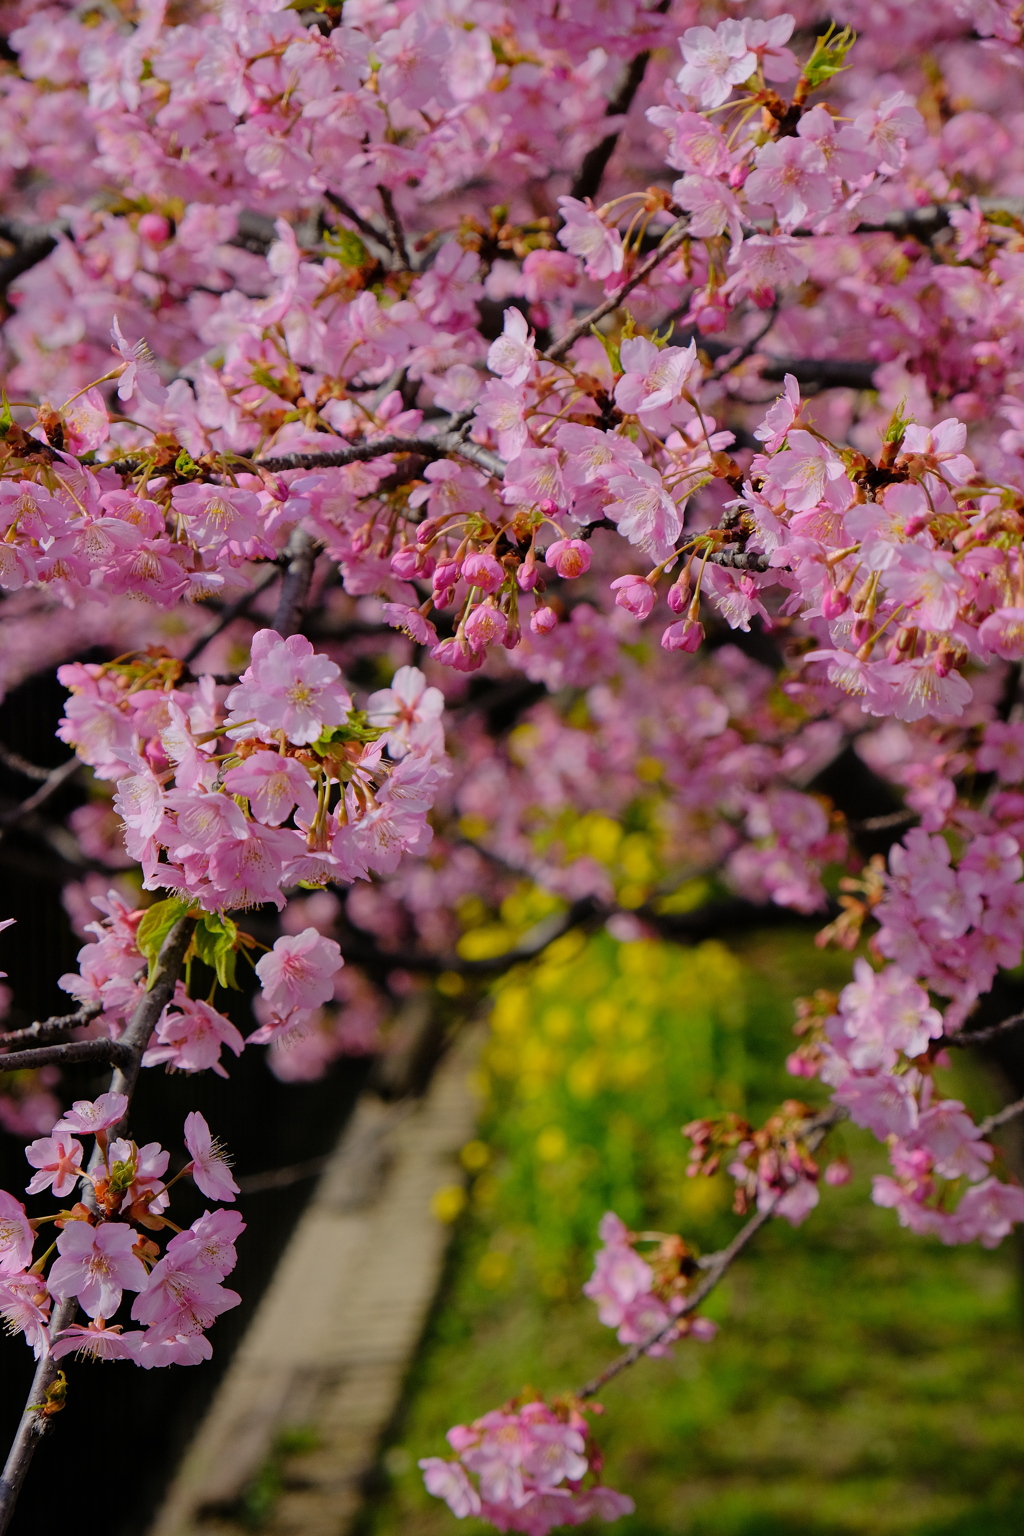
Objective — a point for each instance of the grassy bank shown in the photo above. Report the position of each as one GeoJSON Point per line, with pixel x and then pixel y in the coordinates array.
{"type": "Point", "coordinates": [863, 1381]}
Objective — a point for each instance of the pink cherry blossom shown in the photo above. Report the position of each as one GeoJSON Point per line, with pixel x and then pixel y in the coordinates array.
{"type": "Point", "coordinates": [274, 786]}
{"type": "Point", "coordinates": [16, 1236]}
{"type": "Point", "coordinates": [87, 1117]}
{"type": "Point", "coordinates": [210, 1167]}
{"type": "Point", "coordinates": [299, 971]}
{"type": "Point", "coordinates": [96, 1264]}
{"type": "Point", "coordinates": [59, 1161]}
{"type": "Point", "coordinates": [715, 62]}
{"type": "Point", "coordinates": [287, 687]}
{"type": "Point", "coordinates": [586, 235]}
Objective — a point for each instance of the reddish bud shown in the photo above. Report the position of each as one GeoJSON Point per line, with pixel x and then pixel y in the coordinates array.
{"type": "Point", "coordinates": [543, 620]}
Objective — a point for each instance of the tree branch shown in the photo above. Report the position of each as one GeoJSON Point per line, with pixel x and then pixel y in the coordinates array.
{"type": "Point", "coordinates": [1001, 1116]}
{"type": "Point", "coordinates": [717, 1265]}
{"type": "Point", "coordinates": [35, 1421]}
{"type": "Point", "coordinates": [58, 1023]}
{"type": "Point", "coordinates": [965, 1037]}
{"type": "Point", "coordinates": [18, 764]}
{"type": "Point", "coordinates": [830, 373]}
{"type": "Point", "coordinates": [396, 234]}
{"type": "Point", "coordinates": [233, 611]}
{"type": "Point", "coordinates": [295, 587]}
{"type": "Point", "coordinates": [595, 161]}
{"type": "Point", "coordinates": [671, 242]}
{"type": "Point", "coordinates": [67, 1055]}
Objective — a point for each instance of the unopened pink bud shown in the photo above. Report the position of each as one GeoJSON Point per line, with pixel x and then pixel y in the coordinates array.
{"type": "Point", "coordinates": [543, 620]}
{"type": "Point", "coordinates": [486, 626]}
{"type": "Point", "coordinates": [527, 576]}
{"type": "Point", "coordinates": [678, 597]}
{"type": "Point", "coordinates": [154, 228]}
{"type": "Point", "coordinates": [635, 594]}
{"type": "Point", "coordinates": [684, 636]}
{"type": "Point", "coordinates": [483, 571]}
{"type": "Point", "coordinates": [409, 561]}
{"type": "Point", "coordinates": [834, 603]}
{"type": "Point", "coordinates": [861, 630]}
{"type": "Point", "coordinates": [838, 1172]}
{"type": "Point", "coordinates": [569, 557]}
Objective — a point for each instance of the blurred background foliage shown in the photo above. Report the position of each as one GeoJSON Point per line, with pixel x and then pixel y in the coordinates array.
{"type": "Point", "coordinates": [863, 1381]}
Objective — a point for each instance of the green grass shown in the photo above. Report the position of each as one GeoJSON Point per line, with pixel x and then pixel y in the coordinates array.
{"type": "Point", "coordinates": [863, 1380]}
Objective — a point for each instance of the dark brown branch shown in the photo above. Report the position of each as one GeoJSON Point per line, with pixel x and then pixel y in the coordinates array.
{"type": "Point", "coordinates": [396, 234]}
{"type": "Point", "coordinates": [363, 225]}
{"type": "Point", "coordinates": [747, 348]}
{"type": "Point", "coordinates": [67, 1055]}
{"type": "Point", "coordinates": [828, 372]}
{"type": "Point", "coordinates": [716, 1266]}
{"type": "Point", "coordinates": [34, 1422]}
{"type": "Point", "coordinates": [595, 161]}
{"type": "Point", "coordinates": [295, 587]}
{"type": "Point", "coordinates": [233, 611]}
{"type": "Point", "coordinates": [670, 243]}
{"type": "Point", "coordinates": [58, 1024]}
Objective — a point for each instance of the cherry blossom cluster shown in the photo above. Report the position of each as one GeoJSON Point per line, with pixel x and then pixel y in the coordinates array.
{"type": "Point", "coordinates": [640, 1297]}
{"type": "Point", "coordinates": [529, 1467]}
{"type": "Point", "coordinates": [100, 1254]}
{"type": "Point", "coordinates": [878, 1055]}
{"type": "Point", "coordinates": [216, 825]}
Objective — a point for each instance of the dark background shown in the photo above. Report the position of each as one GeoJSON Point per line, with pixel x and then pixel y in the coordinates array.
{"type": "Point", "coordinates": [124, 1429]}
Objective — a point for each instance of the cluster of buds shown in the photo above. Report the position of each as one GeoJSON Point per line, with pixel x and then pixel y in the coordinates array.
{"type": "Point", "coordinates": [772, 1166]}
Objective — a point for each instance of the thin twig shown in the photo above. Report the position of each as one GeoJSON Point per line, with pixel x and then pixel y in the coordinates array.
{"type": "Point", "coordinates": [34, 1422]}
{"type": "Point", "coordinates": [54, 780]}
{"type": "Point", "coordinates": [963, 1037]}
{"type": "Point", "coordinates": [817, 1129]}
{"type": "Point", "coordinates": [671, 242]}
{"type": "Point", "coordinates": [747, 348]}
{"type": "Point", "coordinates": [18, 764]}
{"type": "Point", "coordinates": [67, 1055]}
{"type": "Point", "coordinates": [1001, 1116]}
{"type": "Point", "coordinates": [281, 1178]}
{"type": "Point", "coordinates": [235, 610]}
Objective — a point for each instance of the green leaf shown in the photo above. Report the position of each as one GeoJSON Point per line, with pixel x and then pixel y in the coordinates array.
{"type": "Point", "coordinates": [6, 419]}
{"type": "Point", "coordinates": [346, 247]}
{"type": "Point", "coordinates": [160, 918]}
{"type": "Point", "coordinates": [829, 56]}
{"type": "Point", "coordinates": [215, 943]}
